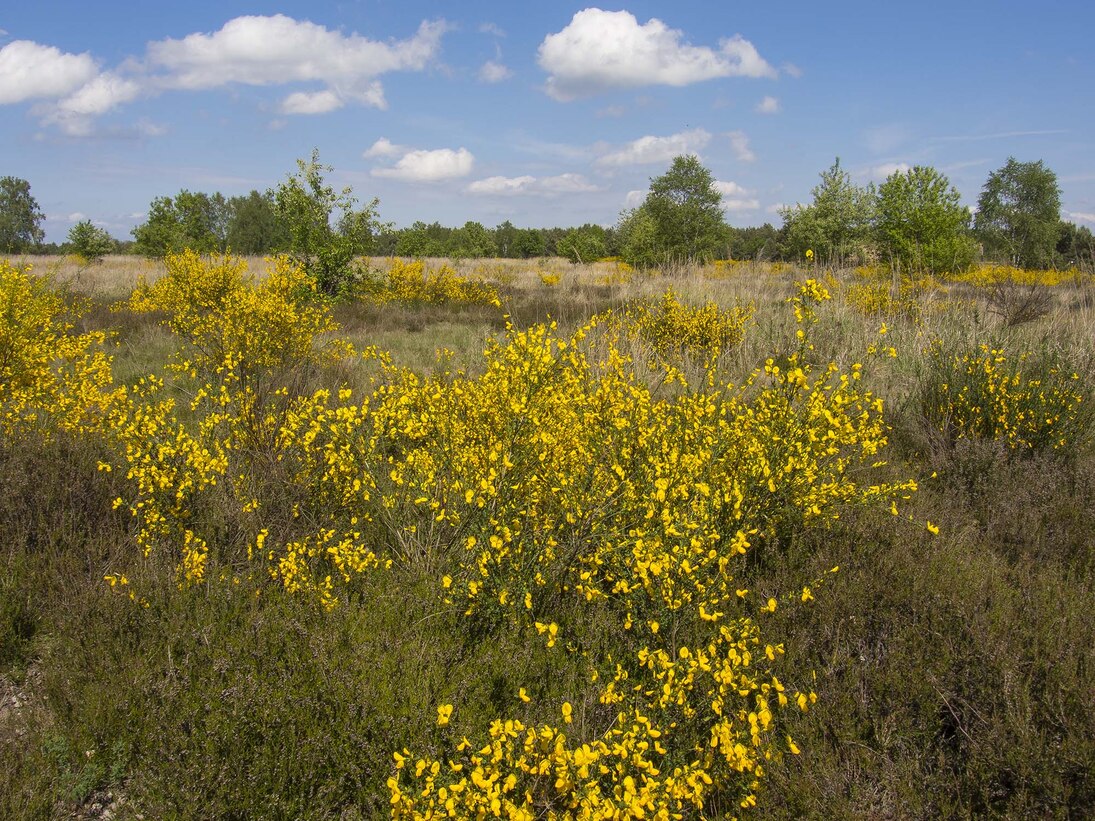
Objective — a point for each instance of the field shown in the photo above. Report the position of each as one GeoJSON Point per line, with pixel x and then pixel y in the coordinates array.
{"type": "Point", "coordinates": [538, 540]}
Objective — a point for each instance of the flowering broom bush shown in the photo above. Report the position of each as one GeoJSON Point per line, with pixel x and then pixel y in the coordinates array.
{"type": "Point", "coordinates": [552, 485]}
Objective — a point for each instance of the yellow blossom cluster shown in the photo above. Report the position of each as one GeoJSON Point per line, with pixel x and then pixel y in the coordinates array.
{"type": "Point", "coordinates": [667, 736]}
{"type": "Point", "coordinates": [231, 320]}
{"type": "Point", "coordinates": [50, 377]}
{"type": "Point", "coordinates": [987, 394]}
{"type": "Point", "coordinates": [411, 283]}
{"type": "Point", "coordinates": [988, 276]}
{"type": "Point", "coordinates": [669, 325]}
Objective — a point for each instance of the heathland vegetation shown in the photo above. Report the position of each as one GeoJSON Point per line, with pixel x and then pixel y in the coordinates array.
{"type": "Point", "coordinates": [331, 534]}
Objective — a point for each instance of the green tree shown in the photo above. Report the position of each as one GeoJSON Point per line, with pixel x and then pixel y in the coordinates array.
{"type": "Point", "coordinates": [20, 217]}
{"type": "Point", "coordinates": [472, 241]}
{"type": "Point", "coordinates": [307, 205]}
{"type": "Point", "coordinates": [638, 236]}
{"type": "Point", "coordinates": [422, 240]}
{"type": "Point", "coordinates": [528, 243]}
{"type": "Point", "coordinates": [837, 224]}
{"type": "Point", "coordinates": [161, 232]}
{"type": "Point", "coordinates": [583, 245]}
{"type": "Point", "coordinates": [189, 220]}
{"type": "Point", "coordinates": [89, 241]}
{"type": "Point", "coordinates": [754, 242]}
{"type": "Point", "coordinates": [1019, 213]}
{"type": "Point", "coordinates": [684, 210]}
{"type": "Point", "coordinates": [922, 226]}
{"type": "Point", "coordinates": [1075, 246]}
{"type": "Point", "coordinates": [253, 224]}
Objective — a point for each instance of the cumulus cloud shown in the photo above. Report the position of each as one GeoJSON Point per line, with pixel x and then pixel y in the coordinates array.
{"type": "Point", "coordinates": [768, 105]}
{"type": "Point", "coordinates": [735, 197]}
{"type": "Point", "coordinates": [493, 71]}
{"type": "Point", "coordinates": [30, 71]}
{"type": "Point", "coordinates": [311, 102]}
{"type": "Point", "coordinates": [532, 186]}
{"type": "Point", "coordinates": [429, 166]}
{"type": "Point", "coordinates": [649, 150]}
{"type": "Point", "coordinates": [881, 172]}
{"type": "Point", "coordinates": [739, 143]}
{"type": "Point", "coordinates": [261, 50]}
{"type": "Point", "coordinates": [384, 148]}
{"type": "Point", "coordinates": [635, 198]}
{"type": "Point", "coordinates": [1081, 216]}
{"type": "Point", "coordinates": [72, 90]}
{"type": "Point", "coordinates": [604, 50]}
{"type": "Point", "coordinates": [502, 185]}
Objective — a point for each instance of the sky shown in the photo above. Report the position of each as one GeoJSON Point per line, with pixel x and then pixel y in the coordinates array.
{"type": "Point", "coordinates": [543, 114]}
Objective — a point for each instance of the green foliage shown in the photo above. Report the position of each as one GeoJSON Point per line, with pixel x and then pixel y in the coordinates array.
{"type": "Point", "coordinates": [1075, 246]}
{"type": "Point", "coordinates": [89, 241]}
{"type": "Point", "coordinates": [639, 238]}
{"type": "Point", "coordinates": [837, 225]}
{"type": "Point", "coordinates": [253, 224]}
{"type": "Point", "coordinates": [192, 221]}
{"type": "Point", "coordinates": [680, 221]}
{"type": "Point", "coordinates": [921, 222]}
{"type": "Point", "coordinates": [755, 243]}
{"type": "Point", "coordinates": [1019, 214]}
{"type": "Point", "coordinates": [472, 241]}
{"type": "Point", "coordinates": [307, 205]}
{"type": "Point", "coordinates": [583, 245]}
{"type": "Point", "coordinates": [20, 217]}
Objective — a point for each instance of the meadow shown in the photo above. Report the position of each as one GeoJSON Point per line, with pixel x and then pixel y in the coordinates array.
{"type": "Point", "coordinates": [529, 539]}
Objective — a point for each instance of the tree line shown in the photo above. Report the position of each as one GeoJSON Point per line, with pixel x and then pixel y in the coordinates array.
{"type": "Point", "coordinates": [912, 220]}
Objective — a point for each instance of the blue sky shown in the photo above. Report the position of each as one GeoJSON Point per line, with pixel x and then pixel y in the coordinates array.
{"type": "Point", "coordinates": [543, 114]}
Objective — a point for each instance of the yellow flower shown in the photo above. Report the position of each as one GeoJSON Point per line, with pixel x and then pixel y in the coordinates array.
{"type": "Point", "coordinates": [568, 712]}
{"type": "Point", "coordinates": [444, 712]}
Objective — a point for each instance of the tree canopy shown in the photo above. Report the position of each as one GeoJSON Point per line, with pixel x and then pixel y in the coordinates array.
{"type": "Point", "coordinates": [1019, 214]}
{"type": "Point", "coordinates": [922, 223]}
{"type": "Point", "coordinates": [20, 217]}
{"type": "Point", "coordinates": [680, 221]}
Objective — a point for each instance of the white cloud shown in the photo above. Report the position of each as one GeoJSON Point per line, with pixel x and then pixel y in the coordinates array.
{"type": "Point", "coordinates": [602, 50]}
{"type": "Point", "coordinates": [491, 28]}
{"type": "Point", "coordinates": [502, 185]}
{"type": "Point", "coordinates": [100, 95]}
{"type": "Point", "coordinates": [31, 71]}
{"type": "Point", "coordinates": [648, 150]}
{"type": "Point", "coordinates": [635, 198]}
{"type": "Point", "coordinates": [775, 208]}
{"type": "Point", "coordinates": [887, 169]}
{"type": "Point", "coordinates": [526, 185]}
{"type": "Point", "coordinates": [258, 50]}
{"type": "Point", "coordinates": [730, 189]}
{"type": "Point", "coordinates": [566, 184]}
{"type": "Point", "coordinates": [792, 70]}
{"type": "Point", "coordinates": [494, 72]}
{"type": "Point", "coordinates": [740, 145]}
{"type": "Point", "coordinates": [735, 197]}
{"type": "Point", "coordinates": [384, 148]}
{"type": "Point", "coordinates": [1081, 216]}
{"type": "Point", "coordinates": [430, 166]}
{"type": "Point", "coordinates": [76, 216]}
{"type": "Point", "coordinates": [311, 102]}
{"type": "Point", "coordinates": [768, 105]}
